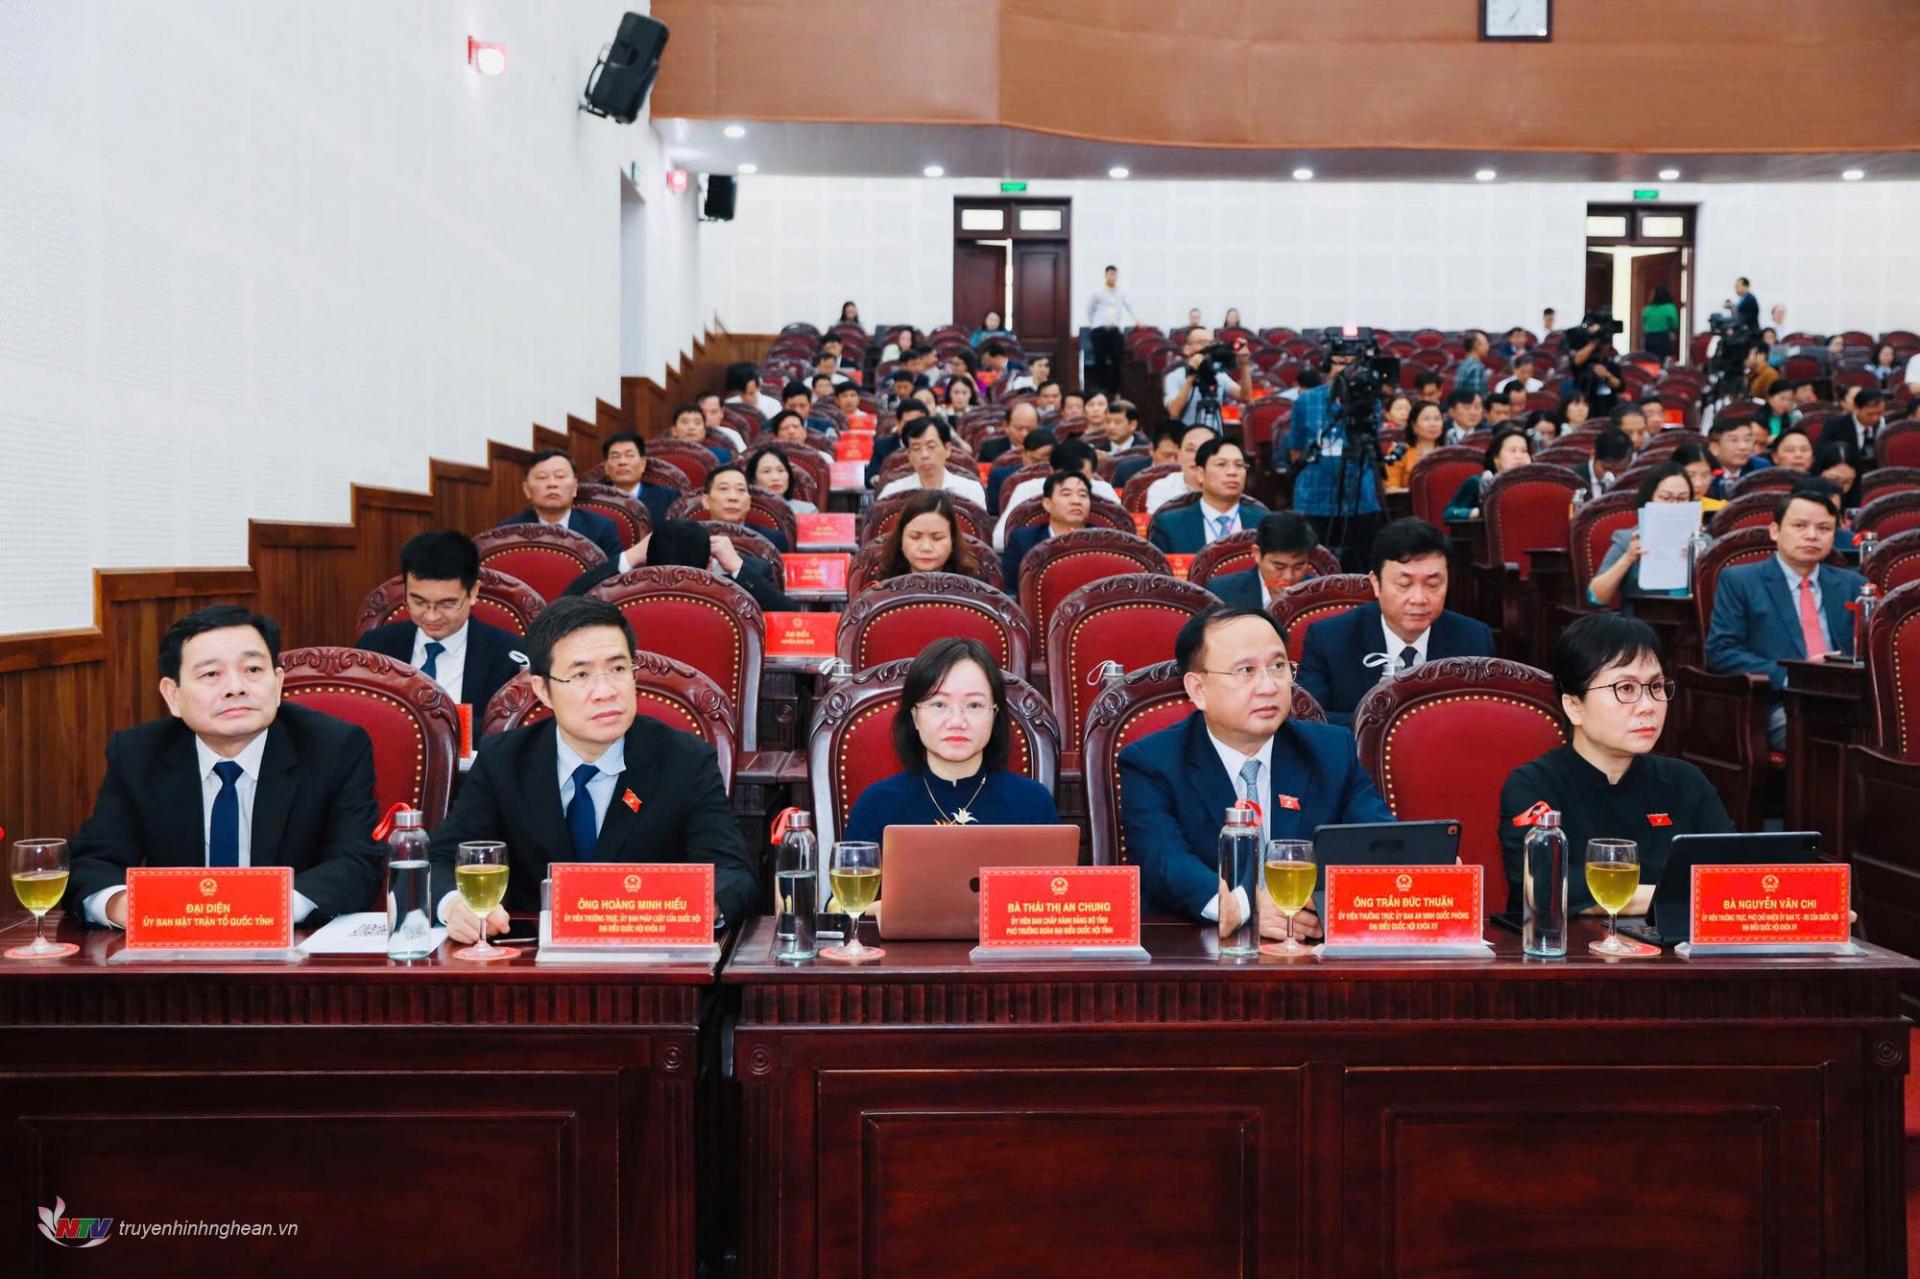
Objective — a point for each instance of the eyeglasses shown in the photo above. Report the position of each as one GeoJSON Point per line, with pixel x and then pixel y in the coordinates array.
{"type": "Point", "coordinates": [1627, 691]}
{"type": "Point", "coordinates": [1247, 672]}
{"type": "Point", "coordinates": [615, 676]}
{"type": "Point", "coordinates": [940, 708]}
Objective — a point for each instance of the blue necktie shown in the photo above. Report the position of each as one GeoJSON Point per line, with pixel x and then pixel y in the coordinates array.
{"type": "Point", "coordinates": [223, 832]}
{"type": "Point", "coordinates": [1221, 524]}
{"type": "Point", "coordinates": [434, 649]}
{"type": "Point", "coordinates": [580, 814]}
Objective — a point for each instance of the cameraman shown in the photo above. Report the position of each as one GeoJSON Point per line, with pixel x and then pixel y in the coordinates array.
{"type": "Point", "coordinates": [1590, 368]}
{"type": "Point", "coordinates": [1182, 383]}
{"type": "Point", "coordinates": [1338, 503]}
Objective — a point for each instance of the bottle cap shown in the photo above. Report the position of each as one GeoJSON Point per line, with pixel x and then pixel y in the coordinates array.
{"type": "Point", "coordinates": [791, 819]}
{"type": "Point", "coordinates": [1241, 815]}
{"type": "Point", "coordinates": [402, 816]}
{"type": "Point", "coordinates": [1549, 820]}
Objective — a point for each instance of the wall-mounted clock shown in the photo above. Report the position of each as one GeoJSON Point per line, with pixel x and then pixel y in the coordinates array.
{"type": "Point", "coordinates": [1516, 20]}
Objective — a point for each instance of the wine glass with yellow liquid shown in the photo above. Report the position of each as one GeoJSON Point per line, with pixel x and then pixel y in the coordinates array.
{"type": "Point", "coordinates": [1613, 876]}
{"type": "Point", "coordinates": [39, 869]}
{"type": "Point", "coordinates": [1289, 873]}
{"type": "Point", "coordinates": [854, 876]}
{"type": "Point", "coordinates": [480, 873]}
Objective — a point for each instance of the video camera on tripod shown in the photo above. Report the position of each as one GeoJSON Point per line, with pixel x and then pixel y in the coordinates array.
{"type": "Point", "coordinates": [1357, 390]}
{"type": "Point", "coordinates": [1595, 326]}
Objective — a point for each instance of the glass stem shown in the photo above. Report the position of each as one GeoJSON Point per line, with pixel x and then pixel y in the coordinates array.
{"type": "Point", "coordinates": [853, 946]}
{"type": "Point", "coordinates": [1613, 928]}
{"type": "Point", "coordinates": [40, 931]}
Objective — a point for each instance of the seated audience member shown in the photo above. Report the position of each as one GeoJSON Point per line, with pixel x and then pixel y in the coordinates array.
{"type": "Point", "coordinates": [1805, 393]}
{"type": "Point", "coordinates": [952, 734]}
{"type": "Point", "coordinates": [1499, 413]}
{"type": "Point", "coordinates": [886, 443]}
{"type": "Point", "coordinates": [1466, 411]}
{"type": "Point", "coordinates": [1426, 431]}
{"type": "Point", "coordinates": [998, 366]}
{"type": "Point", "coordinates": [822, 387]}
{"type": "Point", "coordinates": [1609, 783]}
{"type": "Point", "coordinates": [1761, 375]}
{"type": "Point", "coordinates": [903, 340]}
{"type": "Point", "coordinates": [1792, 605]}
{"type": "Point", "coordinates": [956, 398]}
{"type": "Point", "coordinates": [1187, 478]}
{"type": "Point", "coordinates": [1399, 412]}
{"type": "Point", "coordinates": [1575, 410]}
{"type": "Point", "coordinates": [895, 390]}
{"type": "Point", "coordinates": [440, 637]}
{"type": "Point", "coordinates": [1861, 427]}
{"type": "Point", "coordinates": [991, 326]}
{"type": "Point", "coordinates": [789, 428]}
{"type": "Point", "coordinates": [1617, 581]}
{"type": "Point", "coordinates": [1022, 421]}
{"type": "Point", "coordinates": [1284, 542]}
{"type": "Point", "coordinates": [625, 456]}
{"type": "Point", "coordinates": [1426, 387]}
{"type": "Point", "coordinates": [1039, 370]}
{"type": "Point", "coordinates": [1165, 448]}
{"type": "Point", "coordinates": [690, 544]}
{"type": "Point", "coordinates": [1631, 421]}
{"type": "Point", "coordinates": [828, 362]}
{"type": "Point", "coordinates": [1517, 398]}
{"type": "Point", "coordinates": [1886, 365]}
{"type": "Point", "coordinates": [1507, 450]}
{"type": "Point", "coordinates": [846, 398]}
{"type": "Point", "coordinates": [1221, 511]}
{"type": "Point", "coordinates": [926, 540]}
{"type": "Point", "coordinates": [690, 427]}
{"type": "Point", "coordinates": [1074, 455]}
{"type": "Point", "coordinates": [1780, 413]}
{"type": "Point", "coordinates": [1176, 785]}
{"type": "Point", "coordinates": [1095, 412]}
{"type": "Point", "coordinates": [1520, 374]}
{"type": "Point", "coordinates": [929, 443]}
{"type": "Point", "coordinates": [231, 777]}
{"type": "Point", "coordinates": [1036, 449]}
{"type": "Point", "coordinates": [1048, 398]}
{"type": "Point", "coordinates": [1612, 455]}
{"type": "Point", "coordinates": [1068, 499]}
{"type": "Point", "coordinates": [1692, 458]}
{"type": "Point", "coordinates": [1730, 444]}
{"type": "Point", "coordinates": [713, 418]}
{"type": "Point", "coordinates": [1542, 430]}
{"type": "Point", "coordinates": [595, 782]}
{"type": "Point", "coordinates": [1839, 464]}
{"type": "Point", "coordinates": [743, 389]}
{"type": "Point", "coordinates": [1407, 624]}
{"type": "Point", "coordinates": [1180, 390]}
{"type": "Point", "coordinates": [727, 496]}
{"type": "Point", "coordinates": [1073, 404]}
{"type": "Point", "coordinates": [1793, 451]}
{"type": "Point", "coordinates": [1762, 439]}
{"type": "Point", "coordinates": [769, 469]}
{"type": "Point", "coordinates": [1120, 428]}
{"type": "Point", "coordinates": [550, 487]}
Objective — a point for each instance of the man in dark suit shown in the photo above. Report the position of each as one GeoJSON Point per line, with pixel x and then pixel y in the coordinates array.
{"type": "Point", "coordinates": [467, 658]}
{"type": "Point", "coordinates": [1022, 420]}
{"type": "Point", "coordinates": [551, 486]}
{"type": "Point", "coordinates": [1067, 497]}
{"type": "Point", "coordinates": [1284, 545]}
{"type": "Point", "coordinates": [1036, 448]}
{"type": "Point", "coordinates": [1745, 305]}
{"type": "Point", "coordinates": [689, 543]}
{"type": "Point", "coordinates": [1861, 427]}
{"type": "Point", "coordinates": [1612, 455]}
{"type": "Point", "coordinates": [231, 778]}
{"type": "Point", "coordinates": [1176, 785]}
{"type": "Point", "coordinates": [596, 782]}
{"type": "Point", "coordinates": [1166, 448]}
{"type": "Point", "coordinates": [1221, 511]}
{"type": "Point", "coordinates": [1792, 605]}
{"type": "Point", "coordinates": [1730, 445]}
{"type": "Point", "coordinates": [626, 457]}
{"type": "Point", "coordinates": [1408, 623]}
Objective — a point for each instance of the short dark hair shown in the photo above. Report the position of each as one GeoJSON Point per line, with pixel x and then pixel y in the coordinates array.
{"type": "Point", "coordinates": [547, 455]}
{"type": "Point", "coordinates": [1171, 431]}
{"type": "Point", "coordinates": [441, 556]}
{"type": "Point", "coordinates": [1868, 396]}
{"type": "Point", "coordinates": [1656, 477]}
{"type": "Point", "coordinates": [1125, 408]}
{"type": "Point", "coordinates": [738, 375]}
{"type": "Point", "coordinates": [844, 388]}
{"type": "Point", "coordinates": [706, 485]}
{"type": "Point", "coordinates": [1831, 453]}
{"type": "Point", "coordinates": [1686, 454]}
{"type": "Point", "coordinates": [920, 426]}
{"type": "Point", "coordinates": [1108, 267]}
{"type": "Point", "coordinates": [1192, 639]}
{"type": "Point", "coordinates": [1405, 539]}
{"type": "Point", "coordinates": [773, 423]}
{"type": "Point", "coordinates": [1612, 445]}
{"type": "Point", "coordinates": [1075, 455]}
{"type": "Point", "coordinates": [1620, 412]}
{"type": "Point", "coordinates": [1206, 452]}
{"type": "Point", "coordinates": [1722, 425]}
{"type": "Point", "coordinates": [1050, 382]}
{"type": "Point", "coordinates": [685, 409]}
{"type": "Point", "coordinates": [901, 374]}
{"type": "Point", "coordinates": [1038, 438]}
{"type": "Point", "coordinates": [752, 465]}
{"type": "Point", "coordinates": [1059, 477]}
{"type": "Point", "coordinates": [1461, 395]}
{"type": "Point", "coordinates": [1425, 378]}
{"type": "Point", "coordinates": [214, 617]}
{"type": "Point", "coordinates": [1521, 356]}
{"type": "Point", "coordinates": [702, 397]}
{"type": "Point", "coordinates": [625, 437]}
{"type": "Point", "coordinates": [792, 389]}
{"type": "Point", "coordinates": [1284, 531]}
{"type": "Point", "coordinates": [566, 615]}
{"type": "Point", "coordinates": [1812, 489]}
{"type": "Point", "coordinates": [923, 677]}
{"type": "Point", "coordinates": [907, 409]}
{"type": "Point", "coordinates": [1595, 642]}
{"type": "Point", "coordinates": [686, 543]}
{"type": "Point", "coordinates": [829, 337]}
{"type": "Point", "coordinates": [1500, 437]}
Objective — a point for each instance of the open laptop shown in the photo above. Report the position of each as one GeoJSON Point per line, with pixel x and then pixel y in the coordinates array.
{"type": "Point", "coordinates": [1668, 916]}
{"type": "Point", "coordinates": [930, 875]}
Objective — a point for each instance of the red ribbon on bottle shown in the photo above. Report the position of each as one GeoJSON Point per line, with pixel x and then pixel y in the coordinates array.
{"type": "Point", "coordinates": [385, 828]}
{"type": "Point", "coordinates": [1533, 815]}
{"type": "Point", "coordinates": [780, 822]}
{"type": "Point", "coordinates": [1247, 803]}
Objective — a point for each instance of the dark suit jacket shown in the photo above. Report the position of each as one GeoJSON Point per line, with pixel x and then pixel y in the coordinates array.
{"type": "Point", "coordinates": [883, 447]}
{"type": "Point", "coordinates": [1846, 430]}
{"type": "Point", "coordinates": [1181, 532]}
{"type": "Point", "coordinates": [313, 810]}
{"type": "Point", "coordinates": [1331, 666]}
{"type": "Point", "coordinates": [1174, 796]}
{"type": "Point", "coordinates": [598, 528]}
{"type": "Point", "coordinates": [656, 498]}
{"type": "Point", "coordinates": [997, 479]}
{"type": "Point", "coordinates": [1756, 620]}
{"type": "Point", "coordinates": [1128, 467]}
{"type": "Point", "coordinates": [1019, 542]}
{"type": "Point", "coordinates": [1242, 589]}
{"type": "Point", "coordinates": [513, 794]}
{"type": "Point", "coordinates": [758, 576]}
{"type": "Point", "coordinates": [490, 661]}
{"type": "Point", "coordinates": [992, 449]}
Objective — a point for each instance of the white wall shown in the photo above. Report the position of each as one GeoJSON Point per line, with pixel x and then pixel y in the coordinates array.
{"type": "Point", "coordinates": [252, 251]}
{"type": "Point", "coordinates": [1394, 255]}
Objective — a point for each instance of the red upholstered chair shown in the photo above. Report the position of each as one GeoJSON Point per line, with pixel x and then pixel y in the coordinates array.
{"type": "Point", "coordinates": [850, 745]}
{"type": "Point", "coordinates": [767, 512]}
{"type": "Point", "coordinates": [1146, 701]}
{"type": "Point", "coordinates": [1528, 508]}
{"type": "Point", "coordinates": [1263, 422]}
{"type": "Point", "coordinates": [1894, 561]}
{"type": "Point", "coordinates": [1104, 513]}
{"type": "Point", "coordinates": [1750, 510]}
{"type": "Point", "coordinates": [1131, 619]}
{"type": "Point", "coordinates": [1134, 495]}
{"type": "Point", "coordinates": [707, 621]}
{"type": "Point", "coordinates": [1591, 533]}
{"type": "Point", "coordinates": [692, 460]}
{"type": "Point", "coordinates": [866, 564]}
{"type": "Point", "coordinates": [629, 516]}
{"type": "Point", "coordinates": [1438, 475]}
{"type": "Point", "coordinates": [1441, 739]}
{"type": "Point", "coordinates": [1315, 600]}
{"type": "Point", "coordinates": [1240, 551]}
{"type": "Point", "coordinates": [1773, 481]}
{"type": "Point", "coordinates": [1889, 514]}
{"type": "Point", "coordinates": [895, 619]}
{"type": "Point", "coordinates": [1567, 455]}
{"type": "Point", "coordinates": [413, 723]}
{"type": "Point", "coordinates": [1899, 444]}
{"type": "Point", "coordinates": [505, 602]}
{"type": "Point", "coordinates": [545, 558]}
{"type": "Point", "coordinates": [669, 691]}
{"type": "Point", "coordinates": [885, 513]}
{"type": "Point", "coordinates": [1885, 779]}
{"type": "Point", "coordinates": [1888, 479]}
{"type": "Point", "coordinates": [1059, 566]}
{"type": "Point", "coordinates": [1038, 471]}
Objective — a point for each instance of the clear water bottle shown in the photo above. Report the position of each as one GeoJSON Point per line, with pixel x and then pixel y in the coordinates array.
{"type": "Point", "coordinates": [1240, 870]}
{"type": "Point", "coordinates": [796, 878]}
{"type": "Point", "coordinates": [409, 885]}
{"type": "Point", "coordinates": [1545, 888]}
{"type": "Point", "coordinates": [1862, 615]}
{"type": "Point", "coordinates": [1697, 547]}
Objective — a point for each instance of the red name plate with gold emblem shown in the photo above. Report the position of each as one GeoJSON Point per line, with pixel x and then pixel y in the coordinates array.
{"type": "Point", "coordinates": [1180, 564]}
{"type": "Point", "coordinates": [1753, 906]}
{"type": "Point", "coordinates": [853, 446]}
{"type": "Point", "coordinates": [820, 571]}
{"type": "Point", "coordinates": [801, 634]}
{"type": "Point", "coordinates": [630, 904]}
{"type": "Point", "coordinates": [202, 908]}
{"type": "Point", "coordinates": [1404, 906]}
{"type": "Point", "coordinates": [1140, 521]}
{"type": "Point", "coordinates": [833, 530]}
{"type": "Point", "coordinates": [1059, 907]}
{"type": "Point", "coordinates": [861, 420]}
{"type": "Point", "coordinates": [848, 475]}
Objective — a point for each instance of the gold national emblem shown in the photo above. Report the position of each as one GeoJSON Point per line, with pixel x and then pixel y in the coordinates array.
{"type": "Point", "coordinates": [1770, 882]}
{"type": "Point", "coordinates": [632, 883]}
{"type": "Point", "coordinates": [1059, 886]}
{"type": "Point", "coordinates": [1404, 883]}
{"type": "Point", "coordinates": [209, 886]}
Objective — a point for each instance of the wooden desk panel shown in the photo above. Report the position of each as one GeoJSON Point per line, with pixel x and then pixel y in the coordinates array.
{"type": "Point", "coordinates": [1829, 708]}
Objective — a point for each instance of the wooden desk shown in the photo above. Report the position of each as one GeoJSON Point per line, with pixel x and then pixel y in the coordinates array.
{"type": "Point", "coordinates": [1829, 708]}
{"type": "Point", "coordinates": [415, 1120]}
{"type": "Point", "coordinates": [1186, 1117]}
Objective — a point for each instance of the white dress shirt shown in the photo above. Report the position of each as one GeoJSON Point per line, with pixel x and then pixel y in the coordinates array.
{"type": "Point", "coordinates": [450, 669]}
{"type": "Point", "coordinates": [1394, 644]}
{"type": "Point", "coordinates": [1210, 522]}
{"type": "Point", "coordinates": [1035, 487]}
{"type": "Point", "coordinates": [1165, 489]}
{"type": "Point", "coordinates": [1233, 761]}
{"type": "Point", "coordinates": [1106, 307]}
{"type": "Point", "coordinates": [972, 490]}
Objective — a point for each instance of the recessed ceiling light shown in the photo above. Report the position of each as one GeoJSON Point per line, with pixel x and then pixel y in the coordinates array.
{"type": "Point", "coordinates": [735, 130]}
{"type": "Point", "coordinates": [1119, 171]}
{"type": "Point", "coordinates": [749, 168]}
{"type": "Point", "coordinates": [1484, 175]}
{"type": "Point", "coordinates": [934, 171]}
{"type": "Point", "coordinates": [1853, 175]}
{"type": "Point", "coordinates": [1303, 175]}
{"type": "Point", "coordinates": [1669, 175]}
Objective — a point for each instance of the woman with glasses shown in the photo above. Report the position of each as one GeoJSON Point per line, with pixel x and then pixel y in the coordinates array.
{"type": "Point", "coordinates": [952, 736]}
{"type": "Point", "coordinates": [1618, 579]}
{"type": "Point", "coordinates": [1608, 783]}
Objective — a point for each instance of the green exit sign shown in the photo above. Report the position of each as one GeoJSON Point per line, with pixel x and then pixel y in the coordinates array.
{"type": "Point", "coordinates": [1013, 188]}
{"type": "Point", "coordinates": [1646, 194]}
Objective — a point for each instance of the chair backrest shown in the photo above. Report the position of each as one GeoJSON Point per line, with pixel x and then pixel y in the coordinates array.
{"type": "Point", "coordinates": [1060, 566]}
{"type": "Point", "coordinates": [505, 601]}
{"type": "Point", "coordinates": [1568, 456]}
{"type": "Point", "coordinates": [1593, 527]}
{"type": "Point", "coordinates": [707, 621]}
{"type": "Point", "coordinates": [1898, 444]}
{"type": "Point", "coordinates": [692, 460]}
{"type": "Point", "coordinates": [1893, 664]}
{"type": "Point", "coordinates": [1438, 475]}
{"type": "Point", "coordinates": [413, 723]}
{"type": "Point", "coordinates": [669, 691]}
{"type": "Point", "coordinates": [1889, 514]}
{"type": "Point", "coordinates": [1893, 561]}
{"type": "Point", "coordinates": [629, 516]}
{"type": "Point", "coordinates": [1529, 509]}
{"type": "Point", "coordinates": [866, 563]}
{"type": "Point", "coordinates": [1038, 471]}
{"type": "Point", "coordinates": [1744, 546]}
{"type": "Point", "coordinates": [766, 512]}
{"type": "Point", "coordinates": [1134, 495]}
{"type": "Point", "coordinates": [884, 514]}
{"type": "Point", "coordinates": [546, 558]}
{"type": "Point", "coordinates": [1773, 481]}
{"type": "Point", "coordinates": [1315, 600]}
{"type": "Point", "coordinates": [895, 619]}
{"type": "Point", "coordinates": [1239, 551]}
{"type": "Point", "coordinates": [1261, 423]}
{"type": "Point", "coordinates": [1889, 479]}
{"type": "Point", "coordinates": [850, 745]}
{"type": "Point", "coordinates": [1750, 510]}
{"type": "Point", "coordinates": [1441, 739]}
{"type": "Point", "coordinates": [1103, 513]}
{"type": "Point", "coordinates": [1131, 619]}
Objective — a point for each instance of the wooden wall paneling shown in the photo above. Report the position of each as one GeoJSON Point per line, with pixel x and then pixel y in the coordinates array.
{"type": "Point", "coordinates": [462, 495]}
{"type": "Point", "coordinates": [56, 719]}
{"type": "Point", "coordinates": [135, 608]}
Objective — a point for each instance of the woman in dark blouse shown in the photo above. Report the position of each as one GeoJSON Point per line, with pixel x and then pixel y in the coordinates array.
{"type": "Point", "coordinates": [926, 540]}
{"type": "Point", "coordinates": [951, 734]}
{"type": "Point", "coordinates": [1608, 784]}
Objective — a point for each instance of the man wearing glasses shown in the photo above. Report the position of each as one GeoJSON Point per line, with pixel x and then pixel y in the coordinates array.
{"type": "Point", "coordinates": [929, 443]}
{"type": "Point", "coordinates": [595, 782]}
{"type": "Point", "coordinates": [1176, 785]}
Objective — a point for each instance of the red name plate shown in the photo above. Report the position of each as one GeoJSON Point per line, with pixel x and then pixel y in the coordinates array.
{"type": "Point", "coordinates": [818, 572]}
{"type": "Point", "coordinates": [1059, 906]}
{"type": "Point", "coordinates": [849, 475]}
{"type": "Point", "coordinates": [801, 634]}
{"type": "Point", "coordinates": [825, 529]}
{"type": "Point", "coordinates": [1771, 905]}
{"type": "Point", "coordinates": [1404, 906]}
{"type": "Point", "coordinates": [197, 908]}
{"type": "Point", "coordinates": [466, 727]}
{"type": "Point", "coordinates": [1180, 564]}
{"type": "Point", "coordinates": [853, 446]}
{"type": "Point", "coordinates": [1140, 521]}
{"type": "Point", "coordinates": [611, 904]}
{"type": "Point", "coordinates": [986, 471]}
{"type": "Point", "coordinates": [860, 420]}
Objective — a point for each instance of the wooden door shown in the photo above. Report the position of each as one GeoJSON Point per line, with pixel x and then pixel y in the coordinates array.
{"type": "Point", "coordinates": [1042, 301]}
{"type": "Point", "coordinates": [1649, 272]}
{"type": "Point", "coordinates": [979, 280]}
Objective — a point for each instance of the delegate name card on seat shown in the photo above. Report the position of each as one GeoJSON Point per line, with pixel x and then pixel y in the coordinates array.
{"type": "Point", "coordinates": [1770, 910]}
{"type": "Point", "coordinates": [854, 446]}
{"type": "Point", "coordinates": [822, 571]}
{"type": "Point", "coordinates": [630, 904]}
{"type": "Point", "coordinates": [828, 530]}
{"type": "Point", "coordinates": [1059, 912]}
{"type": "Point", "coordinates": [847, 477]}
{"type": "Point", "coordinates": [1180, 564]}
{"type": "Point", "coordinates": [172, 909]}
{"type": "Point", "coordinates": [1404, 911]}
{"type": "Point", "coordinates": [801, 635]}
